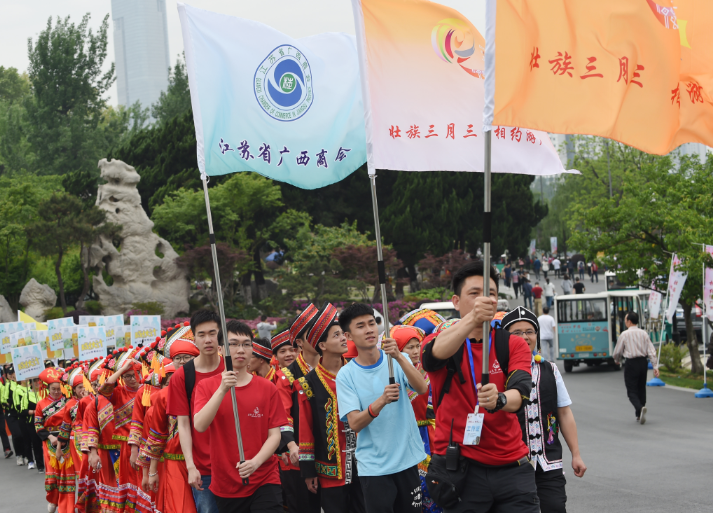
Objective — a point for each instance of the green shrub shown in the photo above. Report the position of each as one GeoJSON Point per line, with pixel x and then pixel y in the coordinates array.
{"type": "Point", "coordinates": [56, 312]}
{"type": "Point", "coordinates": [93, 307]}
{"type": "Point", "coordinates": [672, 355]}
{"type": "Point", "coordinates": [148, 307]}
{"type": "Point", "coordinates": [436, 294]}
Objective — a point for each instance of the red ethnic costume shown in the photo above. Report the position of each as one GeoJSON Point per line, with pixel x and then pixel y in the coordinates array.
{"type": "Point", "coordinates": [161, 441]}
{"type": "Point", "coordinates": [327, 445]}
{"type": "Point", "coordinates": [288, 387]}
{"type": "Point", "coordinates": [59, 467]}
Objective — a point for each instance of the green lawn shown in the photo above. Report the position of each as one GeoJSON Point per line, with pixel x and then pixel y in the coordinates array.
{"type": "Point", "coordinates": [685, 379]}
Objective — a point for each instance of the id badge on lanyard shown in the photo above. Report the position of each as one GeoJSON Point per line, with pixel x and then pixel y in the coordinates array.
{"type": "Point", "coordinates": [474, 424]}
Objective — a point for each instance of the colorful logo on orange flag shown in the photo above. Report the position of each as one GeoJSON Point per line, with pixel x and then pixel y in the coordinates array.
{"type": "Point", "coordinates": [667, 17]}
{"type": "Point", "coordinates": [453, 41]}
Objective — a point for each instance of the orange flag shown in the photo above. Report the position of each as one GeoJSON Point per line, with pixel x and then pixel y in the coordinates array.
{"type": "Point", "coordinates": [635, 71]}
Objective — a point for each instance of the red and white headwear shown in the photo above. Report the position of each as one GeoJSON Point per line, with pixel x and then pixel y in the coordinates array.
{"type": "Point", "coordinates": [96, 368]}
{"type": "Point", "coordinates": [180, 334]}
{"type": "Point", "coordinates": [262, 349]}
{"type": "Point", "coordinates": [324, 319]}
{"type": "Point", "coordinates": [124, 354]}
{"type": "Point", "coordinates": [279, 340]}
{"type": "Point", "coordinates": [49, 376]}
{"type": "Point", "coordinates": [299, 325]}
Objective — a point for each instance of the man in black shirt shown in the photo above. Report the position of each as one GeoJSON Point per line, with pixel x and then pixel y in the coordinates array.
{"type": "Point", "coordinates": [579, 287]}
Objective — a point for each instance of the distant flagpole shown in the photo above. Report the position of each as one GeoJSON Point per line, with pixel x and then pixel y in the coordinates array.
{"type": "Point", "coordinates": [223, 327]}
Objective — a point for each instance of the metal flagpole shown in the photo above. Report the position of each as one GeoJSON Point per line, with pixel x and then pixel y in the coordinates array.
{"type": "Point", "coordinates": [705, 391]}
{"type": "Point", "coordinates": [223, 327]}
{"type": "Point", "coordinates": [487, 223]}
{"type": "Point", "coordinates": [658, 382]}
{"type": "Point", "coordinates": [382, 272]}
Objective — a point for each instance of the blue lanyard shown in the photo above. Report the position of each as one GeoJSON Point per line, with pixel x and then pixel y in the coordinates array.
{"type": "Point", "coordinates": [472, 367]}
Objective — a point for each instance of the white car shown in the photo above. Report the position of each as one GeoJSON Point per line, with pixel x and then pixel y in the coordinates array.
{"type": "Point", "coordinates": [444, 308]}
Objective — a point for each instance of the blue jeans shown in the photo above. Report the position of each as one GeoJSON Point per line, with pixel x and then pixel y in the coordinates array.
{"type": "Point", "coordinates": [205, 500]}
{"type": "Point", "coordinates": [550, 301]}
{"type": "Point", "coordinates": [528, 298]}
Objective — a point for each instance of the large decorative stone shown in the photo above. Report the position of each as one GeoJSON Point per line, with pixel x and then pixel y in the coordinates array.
{"type": "Point", "coordinates": [37, 299]}
{"type": "Point", "coordinates": [6, 312]}
{"type": "Point", "coordinates": [141, 264]}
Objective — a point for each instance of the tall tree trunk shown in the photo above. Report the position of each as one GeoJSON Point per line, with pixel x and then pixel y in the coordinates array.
{"type": "Point", "coordinates": [85, 273]}
{"type": "Point", "coordinates": [247, 289]}
{"type": "Point", "coordinates": [259, 277]}
{"type": "Point", "coordinates": [412, 277]}
{"type": "Point", "coordinates": [692, 340]}
{"type": "Point", "coordinates": [60, 282]}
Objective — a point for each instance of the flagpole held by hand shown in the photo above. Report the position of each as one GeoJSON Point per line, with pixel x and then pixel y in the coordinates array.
{"type": "Point", "coordinates": [487, 223]}
{"type": "Point", "coordinates": [382, 272]}
{"type": "Point", "coordinates": [223, 327]}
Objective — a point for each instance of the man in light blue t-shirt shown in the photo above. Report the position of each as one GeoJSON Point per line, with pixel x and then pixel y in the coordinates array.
{"type": "Point", "coordinates": [389, 446]}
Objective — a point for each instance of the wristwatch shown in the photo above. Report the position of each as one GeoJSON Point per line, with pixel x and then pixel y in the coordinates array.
{"type": "Point", "coordinates": [500, 403]}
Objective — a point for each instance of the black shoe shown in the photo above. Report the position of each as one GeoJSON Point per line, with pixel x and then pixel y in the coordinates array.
{"type": "Point", "coordinates": [8, 453]}
{"type": "Point", "coordinates": [40, 470]}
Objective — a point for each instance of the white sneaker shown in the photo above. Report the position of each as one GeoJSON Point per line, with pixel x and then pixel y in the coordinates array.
{"type": "Point", "coordinates": [31, 465]}
{"type": "Point", "coordinates": [642, 417]}
{"type": "Point", "coordinates": [26, 461]}
{"type": "Point", "coordinates": [51, 508]}
{"type": "Point", "coordinates": [20, 463]}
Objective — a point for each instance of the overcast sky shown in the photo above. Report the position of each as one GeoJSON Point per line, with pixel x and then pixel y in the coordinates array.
{"type": "Point", "coordinates": [22, 19]}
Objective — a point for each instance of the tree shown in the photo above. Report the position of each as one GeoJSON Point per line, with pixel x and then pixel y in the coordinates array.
{"type": "Point", "coordinates": [199, 262]}
{"type": "Point", "coordinates": [359, 263]}
{"type": "Point", "coordinates": [438, 271]}
{"type": "Point", "coordinates": [13, 86]}
{"type": "Point", "coordinates": [63, 222]}
{"type": "Point", "coordinates": [68, 89]}
{"type": "Point", "coordinates": [661, 208]}
{"type": "Point", "coordinates": [176, 99]}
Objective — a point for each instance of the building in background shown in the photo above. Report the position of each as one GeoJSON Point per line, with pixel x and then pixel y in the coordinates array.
{"type": "Point", "coordinates": [140, 50]}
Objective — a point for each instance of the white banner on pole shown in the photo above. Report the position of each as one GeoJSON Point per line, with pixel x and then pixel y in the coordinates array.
{"type": "Point", "coordinates": [655, 304]}
{"type": "Point", "coordinates": [28, 361]}
{"type": "Point", "coordinates": [676, 281]}
{"type": "Point", "coordinates": [532, 247]}
{"type": "Point", "coordinates": [708, 288]}
{"type": "Point", "coordinates": [553, 245]}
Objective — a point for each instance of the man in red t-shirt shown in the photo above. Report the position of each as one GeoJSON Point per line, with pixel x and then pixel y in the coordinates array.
{"type": "Point", "coordinates": [537, 294]}
{"type": "Point", "coordinates": [261, 415]}
{"type": "Point", "coordinates": [196, 446]}
{"type": "Point", "coordinates": [496, 473]}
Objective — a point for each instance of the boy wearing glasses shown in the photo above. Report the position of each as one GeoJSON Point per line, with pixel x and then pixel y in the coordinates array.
{"type": "Point", "coordinates": [546, 414]}
{"type": "Point", "coordinates": [261, 414]}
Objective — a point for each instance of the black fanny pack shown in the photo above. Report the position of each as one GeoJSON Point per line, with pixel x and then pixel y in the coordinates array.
{"type": "Point", "coordinates": [445, 486]}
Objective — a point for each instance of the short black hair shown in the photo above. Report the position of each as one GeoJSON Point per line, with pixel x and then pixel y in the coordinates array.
{"type": "Point", "coordinates": [633, 317]}
{"type": "Point", "coordinates": [577, 278]}
{"type": "Point", "coordinates": [239, 328]}
{"type": "Point", "coordinates": [201, 317]}
{"type": "Point", "coordinates": [263, 317]}
{"type": "Point", "coordinates": [546, 309]}
{"type": "Point", "coordinates": [473, 268]}
{"type": "Point", "coordinates": [352, 312]}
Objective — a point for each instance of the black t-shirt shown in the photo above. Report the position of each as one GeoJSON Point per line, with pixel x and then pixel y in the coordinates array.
{"type": "Point", "coordinates": [579, 288]}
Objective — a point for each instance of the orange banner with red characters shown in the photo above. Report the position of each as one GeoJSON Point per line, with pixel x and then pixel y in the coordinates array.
{"type": "Point", "coordinates": [635, 71]}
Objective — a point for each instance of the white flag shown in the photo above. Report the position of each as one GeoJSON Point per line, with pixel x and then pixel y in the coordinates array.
{"type": "Point", "coordinates": [676, 281]}
{"type": "Point", "coordinates": [422, 73]}
{"type": "Point", "coordinates": [708, 288]}
{"type": "Point", "coordinates": [654, 304]}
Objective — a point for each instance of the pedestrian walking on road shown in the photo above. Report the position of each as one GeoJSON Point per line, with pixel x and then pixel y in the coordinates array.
{"type": "Point", "coordinates": [595, 271]}
{"type": "Point", "coordinates": [508, 274]}
{"type": "Point", "coordinates": [580, 266]}
{"type": "Point", "coordinates": [547, 334]}
{"type": "Point", "coordinates": [537, 294]}
{"type": "Point", "coordinates": [567, 285]}
{"type": "Point", "coordinates": [545, 267]}
{"type": "Point", "coordinates": [527, 293]}
{"type": "Point", "coordinates": [557, 264]}
{"type": "Point", "coordinates": [579, 287]}
{"type": "Point", "coordinates": [635, 345]}
{"type": "Point", "coordinates": [547, 413]}
{"type": "Point", "coordinates": [516, 282]}
{"type": "Point", "coordinates": [549, 293]}
{"type": "Point", "coordinates": [536, 266]}
{"type": "Point", "coordinates": [265, 329]}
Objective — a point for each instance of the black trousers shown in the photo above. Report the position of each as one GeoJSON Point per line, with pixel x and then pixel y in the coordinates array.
{"type": "Point", "coordinates": [33, 444]}
{"type": "Point", "coordinates": [551, 490]}
{"type": "Point", "coordinates": [499, 489]}
{"type": "Point", "coordinates": [393, 493]}
{"type": "Point", "coordinates": [266, 499]}
{"type": "Point", "coordinates": [3, 434]}
{"type": "Point", "coordinates": [298, 498]}
{"type": "Point", "coordinates": [17, 439]}
{"type": "Point", "coordinates": [635, 371]}
{"type": "Point", "coordinates": [344, 499]}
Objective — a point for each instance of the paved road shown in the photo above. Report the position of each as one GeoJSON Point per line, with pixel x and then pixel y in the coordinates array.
{"type": "Point", "coordinates": [590, 288]}
{"type": "Point", "coordinates": [21, 490]}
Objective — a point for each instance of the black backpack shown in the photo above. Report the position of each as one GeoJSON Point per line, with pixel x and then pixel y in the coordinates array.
{"type": "Point", "coordinates": [189, 371]}
{"type": "Point", "coordinates": [453, 364]}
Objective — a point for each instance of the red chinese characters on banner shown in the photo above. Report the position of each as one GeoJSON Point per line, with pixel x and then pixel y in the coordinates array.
{"type": "Point", "coordinates": [676, 96]}
{"type": "Point", "coordinates": [500, 132]}
{"type": "Point", "coordinates": [561, 64]}
{"type": "Point", "coordinates": [450, 130]}
{"type": "Point", "coordinates": [530, 137]}
{"type": "Point", "coordinates": [534, 57]}
{"type": "Point", "coordinates": [516, 134]}
{"type": "Point", "coordinates": [591, 67]}
{"type": "Point", "coordinates": [623, 70]}
{"type": "Point", "coordinates": [413, 132]}
{"type": "Point", "coordinates": [469, 132]}
{"type": "Point", "coordinates": [694, 92]}
{"type": "Point", "coordinates": [431, 132]}
{"type": "Point", "coordinates": [394, 132]}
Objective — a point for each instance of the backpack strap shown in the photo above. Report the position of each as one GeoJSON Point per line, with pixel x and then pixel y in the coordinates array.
{"type": "Point", "coordinates": [189, 371]}
{"type": "Point", "coordinates": [96, 407]}
{"type": "Point", "coordinates": [502, 349]}
{"type": "Point", "coordinates": [453, 366]}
